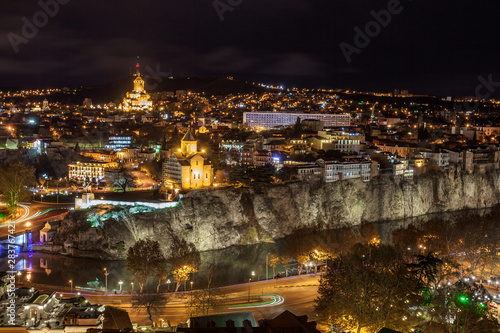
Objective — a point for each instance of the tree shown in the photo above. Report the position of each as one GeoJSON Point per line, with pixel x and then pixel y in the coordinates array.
{"type": "Point", "coordinates": [15, 177]}
{"type": "Point", "coordinates": [262, 175]}
{"type": "Point", "coordinates": [143, 258]}
{"type": "Point", "coordinates": [122, 181]}
{"type": "Point", "coordinates": [184, 259]}
{"type": "Point", "coordinates": [461, 308]}
{"type": "Point", "coordinates": [152, 303]}
{"type": "Point", "coordinates": [42, 181]}
{"type": "Point", "coordinates": [426, 269]}
{"type": "Point", "coordinates": [259, 272]}
{"type": "Point", "coordinates": [273, 262]}
{"type": "Point", "coordinates": [286, 173]}
{"type": "Point", "coordinates": [161, 273]}
{"type": "Point", "coordinates": [207, 300]}
{"type": "Point", "coordinates": [238, 176]}
{"type": "Point", "coordinates": [368, 288]}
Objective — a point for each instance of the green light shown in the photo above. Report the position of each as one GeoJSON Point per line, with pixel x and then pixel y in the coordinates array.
{"type": "Point", "coordinates": [463, 299]}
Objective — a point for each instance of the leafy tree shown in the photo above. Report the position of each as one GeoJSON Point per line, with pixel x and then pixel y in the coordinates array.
{"type": "Point", "coordinates": [286, 173]}
{"type": "Point", "coordinates": [461, 308]}
{"type": "Point", "coordinates": [143, 258]}
{"type": "Point", "coordinates": [273, 262]}
{"type": "Point", "coordinates": [238, 176]}
{"type": "Point", "coordinates": [426, 269]}
{"type": "Point", "coordinates": [161, 273]}
{"type": "Point", "coordinates": [262, 175]}
{"type": "Point", "coordinates": [15, 177]}
{"type": "Point", "coordinates": [184, 259]}
{"type": "Point", "coordinates": [152, 303]}
{"type": "Point", "coordinates": [368, 288]}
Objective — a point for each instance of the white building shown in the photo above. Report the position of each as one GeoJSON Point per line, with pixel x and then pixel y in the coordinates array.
{"type": "Point", "coordinates": [268, 120]}
{"type": "Point", "coordinates": [334, 170]}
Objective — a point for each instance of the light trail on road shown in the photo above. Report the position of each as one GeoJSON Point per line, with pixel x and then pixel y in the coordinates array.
{"type": "Point", "coordinates": [275, 301]}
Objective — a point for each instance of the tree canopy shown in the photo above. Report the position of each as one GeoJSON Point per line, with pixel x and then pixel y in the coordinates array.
{"type": "Point", "coordinates": [15, 177]}
{"type": "Point", "coordinates": [143, 259]}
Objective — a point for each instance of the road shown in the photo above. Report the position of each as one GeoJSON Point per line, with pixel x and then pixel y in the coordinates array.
{"type": "Point", "coordinates": [297, 295]}
{"type": "Point", "coordinates": [36, 214]}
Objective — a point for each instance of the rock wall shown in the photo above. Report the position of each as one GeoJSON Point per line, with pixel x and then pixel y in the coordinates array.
{"type": "Point", "coordinates": [216, 219]}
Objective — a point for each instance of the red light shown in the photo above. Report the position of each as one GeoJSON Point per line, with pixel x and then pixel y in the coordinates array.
{"type": "Point", "coordinates": [137, 65]}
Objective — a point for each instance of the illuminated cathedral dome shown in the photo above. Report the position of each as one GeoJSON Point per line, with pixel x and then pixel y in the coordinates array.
{"type": "Point", "coordinates": [138, 99]}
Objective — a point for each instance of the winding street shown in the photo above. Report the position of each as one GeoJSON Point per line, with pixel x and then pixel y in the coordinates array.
{"type": "Point", "coordinates": [267, 300]}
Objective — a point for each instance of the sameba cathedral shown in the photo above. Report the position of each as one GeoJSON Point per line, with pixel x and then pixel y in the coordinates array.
{"type": "Point", "coordinates": [138, 99]}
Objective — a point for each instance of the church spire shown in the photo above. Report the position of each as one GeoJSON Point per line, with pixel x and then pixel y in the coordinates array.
{"type": "Point", "coordinates": [137, 66]}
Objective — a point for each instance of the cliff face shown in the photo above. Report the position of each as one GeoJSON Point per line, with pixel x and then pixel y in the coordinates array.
{"type": "Point", "coordinates": [216, 219]}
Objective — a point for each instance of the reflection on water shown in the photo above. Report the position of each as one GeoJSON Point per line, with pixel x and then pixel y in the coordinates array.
{"type": "Point", "coordinates": [234, 265]}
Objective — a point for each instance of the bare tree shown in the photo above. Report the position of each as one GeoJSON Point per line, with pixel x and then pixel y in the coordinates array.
{"type": "Point", "coordinates": [206, 301]}
{"type": "Point", "coordinates": [152, 303]}
{"type": "Point", "coordinates": [122, 181]}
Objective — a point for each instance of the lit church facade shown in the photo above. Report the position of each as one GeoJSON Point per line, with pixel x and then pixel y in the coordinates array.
{"type": "Point", "coordinates": [138, 99]}
{"type": "Point", "coordinates": [188, 169]}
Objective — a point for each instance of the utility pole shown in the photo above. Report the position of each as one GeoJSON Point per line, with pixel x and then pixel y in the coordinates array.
{"type": "Point", "coordinates": [106, 274]}
{"type": "Point", "coordinates": [267, 275]}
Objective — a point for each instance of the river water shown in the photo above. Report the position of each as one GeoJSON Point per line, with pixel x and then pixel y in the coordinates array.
{"type": "Point", "coordinates": [234, 265]}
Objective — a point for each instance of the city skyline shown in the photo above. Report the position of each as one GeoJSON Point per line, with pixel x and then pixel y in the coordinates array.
{"type": "Point", "coordinates": [424, 48]}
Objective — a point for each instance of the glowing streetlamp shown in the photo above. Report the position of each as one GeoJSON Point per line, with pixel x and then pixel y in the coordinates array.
{"type": "Point", "coordinates": [106, 275]}
{"type": "Point", "coordinates": [191, 285]}
{"type": "Point", "coordinates": [71, 283]}
{"type": "Point", "coordinates": [120, 283]}
{"type": "Point", "coordinates": [132, 284]}
{"type": "Point", "coordinates": [168, 284]}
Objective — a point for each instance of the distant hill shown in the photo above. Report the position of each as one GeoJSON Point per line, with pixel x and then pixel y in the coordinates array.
{"type": "Point", "coordinates": [115, 91]}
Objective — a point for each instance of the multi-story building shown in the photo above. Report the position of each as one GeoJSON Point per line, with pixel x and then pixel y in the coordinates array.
{"type": "Point", "coordinates": [188, 168]}
{"type": "Point", "coordinates": [118, 142]}
{"type": "Point", "coordinates": [100, 155]}
{"type": "Point", "coordinates": [246, 154]}
{"type": "Point", "coordinates": [89, 172]}
{"type": "Point", "coordinates": [441, 159]}
{"type": "Point", "coordinates": [268, 120]}
{"type": "Point", "coordinates": [334, 170]}
{"type": "Point", "coordinates": [308, 171]}
{"type": "Point", "coordinates": [262, 158]}
{"type": "Point", "coordinates": [146, 155]}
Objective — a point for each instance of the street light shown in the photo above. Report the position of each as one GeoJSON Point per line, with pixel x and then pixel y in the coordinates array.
{"type": "Point", "coordinates": [132, 284]}
{"type": "Point", "coordinates": [168, 284]}
{"type": "Point", "coordinates": [106, 275]}
{"type": "Point", "coordinates": [267, 275]}
{"type": "Point", "coordinates": [120, 283]}
{"type": "Point", "coordinates": [191, 285]}
{"type": "Point", "coordinates": [250, 279]}
{"type": "Point", "coordinates": [71, 282]}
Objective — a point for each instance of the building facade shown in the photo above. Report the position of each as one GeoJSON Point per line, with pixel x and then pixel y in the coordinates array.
{"type": "Point", "coordinates": [138, 99]}
{"type": "Point", "coordinates": [188, 169]}
{"type": "Point", "coordinates": [268, 120]}
{"type": "Point", "coordinates": [83, 172]}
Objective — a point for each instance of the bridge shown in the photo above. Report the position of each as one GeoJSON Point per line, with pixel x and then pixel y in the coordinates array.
{"type": "Point", "coordinates": [24, 236]}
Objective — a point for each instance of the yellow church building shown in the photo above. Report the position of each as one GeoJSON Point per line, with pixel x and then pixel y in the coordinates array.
{"type": "Point", "coordinates": [187, 168]}
{"type": "Point", "coordinates": [138, 99]}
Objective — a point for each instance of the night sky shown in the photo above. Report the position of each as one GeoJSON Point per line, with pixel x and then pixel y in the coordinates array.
{"type": "Point", "coordinates": [434, 47]}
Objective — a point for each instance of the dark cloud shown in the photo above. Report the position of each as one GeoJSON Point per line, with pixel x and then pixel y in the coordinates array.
{"type": "Point", "coordinates": [430, 47]}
